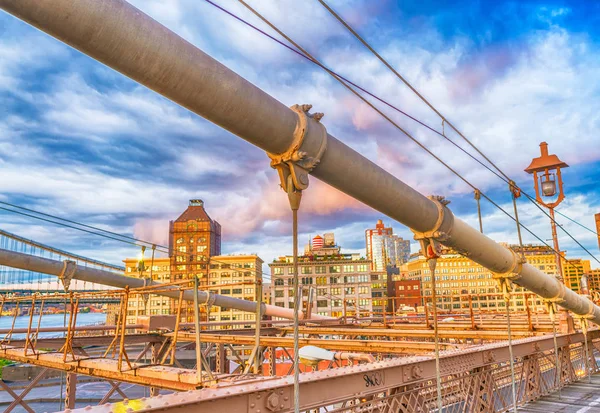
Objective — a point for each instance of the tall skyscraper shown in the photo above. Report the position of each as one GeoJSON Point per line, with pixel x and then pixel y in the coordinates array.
{"type": "Point", "coordinates": [378, 250]}
{"type": "Point", "coordinates": [384, 248]}
{"type": "Point", "coordinates": [402, 250]}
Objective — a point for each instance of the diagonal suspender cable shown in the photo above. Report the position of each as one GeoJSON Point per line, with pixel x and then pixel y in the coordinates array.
{"type": "Point", "coordinates": [477, 195]}
{"type": "Point", "coordinates": [295, 197]}
{"type": "Point", "coordinates": [500, 174]}
{"type": "Point", "coordinates": [350, 86]}
{"type": "Point", "coordinates": [515, 193]}
{"type": "Point", "coordinates": [558, 376]}
{"type": "Point", "coordinates": [438, 374]}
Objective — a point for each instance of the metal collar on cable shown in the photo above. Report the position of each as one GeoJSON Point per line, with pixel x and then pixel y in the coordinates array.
{"type": "Point", "coordinates": [445, 221]}
{"type": "Point", "coordinates": [296, 160]}
{"type": "Point", "coordinates": [67, 273]}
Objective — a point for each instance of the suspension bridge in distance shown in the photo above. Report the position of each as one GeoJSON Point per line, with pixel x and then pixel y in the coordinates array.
{"type": "Point", "coordinates": [19, 282]}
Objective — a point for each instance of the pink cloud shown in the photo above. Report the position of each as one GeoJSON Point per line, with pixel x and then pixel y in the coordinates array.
{"type": "Point", "coordinates": [243, 215]}
{"type": "Point", "coordinates": [478, 71]}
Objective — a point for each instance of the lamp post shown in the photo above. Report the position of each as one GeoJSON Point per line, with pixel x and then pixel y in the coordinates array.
{"type": "Point", "coordinates": [548, 184]}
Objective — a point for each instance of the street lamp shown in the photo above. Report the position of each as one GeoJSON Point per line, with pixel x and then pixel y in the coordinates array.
{"type": "Point", "coordinates": [548, 178]}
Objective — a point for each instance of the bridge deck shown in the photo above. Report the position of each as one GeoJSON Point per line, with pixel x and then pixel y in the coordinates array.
{"type": "Point", "coordinates": [578, 397]}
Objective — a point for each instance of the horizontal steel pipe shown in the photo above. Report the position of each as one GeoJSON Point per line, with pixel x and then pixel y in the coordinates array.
{"type": "Point", "coordinates": [120, 36]}
{"type": "Point", "coordinates": [52, 267]}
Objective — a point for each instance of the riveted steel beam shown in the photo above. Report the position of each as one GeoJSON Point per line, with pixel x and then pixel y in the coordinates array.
{"type": "Point", "coordinates": [328, 387]}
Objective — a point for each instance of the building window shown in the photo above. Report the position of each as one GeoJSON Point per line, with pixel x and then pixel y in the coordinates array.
{"type": "Point", "coordinates": [180, 240]}
{"type": "Point", "coordinates": [236, 291]}
{"type": "Point", "coordinates": [200, 248]}
{"type": "Point", "coordinates": [306, 270]}
{"type": "Point", "coordinates": [361, 268]}
{"type": "Point", "coordinates": [321, 280]}
{"type": "Point", "coordinates": [279, 282]}
{"type": "Point", "coordinates": [321, 303]}
{"type": "Point", "coordinates": [306, 280]}
{"type": "Point", "coordinates": [320, 269]}
{"type": "Point", "coordinates": [279, 293]}
{"type": "Point", "coordinates": [333, 269]}
{"type": "Point", "coordinates": [348, 268]}
{"type": "Point", "coordinates": [278, 271]}
{"type": "Point", "coordinates": [333, 280]}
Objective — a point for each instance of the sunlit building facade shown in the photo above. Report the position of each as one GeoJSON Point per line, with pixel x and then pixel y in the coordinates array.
{"type": "Point", "coordinates": [458, 278]}
{"type": "Point", "coordinates": [234, 276]}
{"type": "Point", "coordinates": [384, 248]}
{"type": "Point", "coordinates": [193, 239]}
{"type": "Point", "coordinates": [573, 269]}
{"type": "Point", "coordinates": [340, 282]}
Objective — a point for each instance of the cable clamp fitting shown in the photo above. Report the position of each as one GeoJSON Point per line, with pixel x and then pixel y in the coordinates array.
{"type": "Point", "coordinates": [295, 162]}
{"type": "Point", "coordinates": [514, 189]}
{"type": "Point", "coordinates": [67, 273]}
{"type": "Point", "coordinates": [210, 300]}
{"type": "Point", "coordinates": [506, 279]}
{"type": "Point", "coordinates": [551, 303]}
{"type": "Point", "coordinates": [443, 225]}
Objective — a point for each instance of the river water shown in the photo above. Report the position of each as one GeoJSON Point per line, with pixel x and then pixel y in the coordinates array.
{"type": "Point", "coordinates": [50, 320]}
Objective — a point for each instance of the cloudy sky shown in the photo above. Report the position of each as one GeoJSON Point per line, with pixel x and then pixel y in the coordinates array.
{"type": "Point", "coordinates": [81, 141]}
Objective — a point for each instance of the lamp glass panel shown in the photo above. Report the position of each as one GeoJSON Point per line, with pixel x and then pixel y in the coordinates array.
{"type": "Point", "coordinates": [549, 187]}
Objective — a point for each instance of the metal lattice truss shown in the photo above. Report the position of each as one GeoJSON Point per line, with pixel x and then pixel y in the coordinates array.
{"type": "Point", "coordinates": [473, 380]}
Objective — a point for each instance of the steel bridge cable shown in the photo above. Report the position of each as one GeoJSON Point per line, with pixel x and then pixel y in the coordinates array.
{"type": "Point", "coordinates": [578, 223]}
{"type": "Point", "coordinates": [500, 173]}
{"type": "Point", "coordinates": [307, 55]}
{"type": "Point", "coordinates": [69, 226]}
{"type": "Point", "coordinates": [78, 223]}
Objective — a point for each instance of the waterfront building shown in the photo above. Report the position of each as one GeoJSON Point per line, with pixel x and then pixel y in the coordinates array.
{"type": "Point", "coordinates": [594, 279]}
{"type": "Point", "coordinates": [340, 282]}
{"type": "Point", "coordinates": [573, 269]}
{"type": "Point", "coordinates": [458, 278]}
{"type": "Point", "coordinates": [157, 269]}
{"type": "Point", "coordinates": [234, 276]}
{"type": "Point", "coordinates": [193, 239]}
